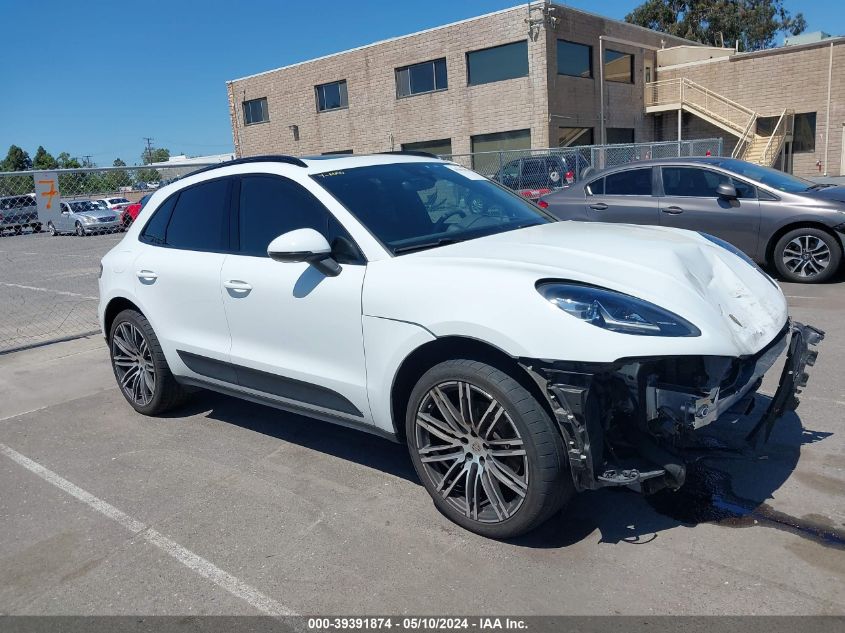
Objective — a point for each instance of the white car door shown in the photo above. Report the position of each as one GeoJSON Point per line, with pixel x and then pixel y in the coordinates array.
{"type": "Point", "coordinates": [183, 247]}
{"type": "Point", "coordinates": [296, 333]}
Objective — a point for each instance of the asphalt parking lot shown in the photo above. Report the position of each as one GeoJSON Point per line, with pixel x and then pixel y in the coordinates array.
{"type": "Point", "coordinates": [226, 507]}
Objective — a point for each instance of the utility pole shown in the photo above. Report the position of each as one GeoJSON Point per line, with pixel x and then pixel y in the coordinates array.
{"type": "Point", "coordinates": [86, 160]}
{"type": "Point", "coordinates": [149, 148]}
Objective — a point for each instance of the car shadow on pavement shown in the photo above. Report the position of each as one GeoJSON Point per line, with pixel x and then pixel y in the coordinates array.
{"type": "Point", "coordinates": [349, 444]}
{"type": "Point", "coordinates": [727, 488]}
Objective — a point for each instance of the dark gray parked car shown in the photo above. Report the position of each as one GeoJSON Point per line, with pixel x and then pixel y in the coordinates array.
{"type": "Point", "coordinates": [777, 219]}
{"type": "Point", "coordinates": [19, 212]}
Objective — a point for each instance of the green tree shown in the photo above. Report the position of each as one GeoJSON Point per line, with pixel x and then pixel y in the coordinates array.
{"type": "Point", "coordinates": [754, 23]}
{"type": "Point", "coordinates": [114, 180]}
{"type": "Point", "coordinates": [16, 160]}
{"type": "Point", "coordinates": [44, 159]}
{"type": "Point", "coordinates": [66, 161]}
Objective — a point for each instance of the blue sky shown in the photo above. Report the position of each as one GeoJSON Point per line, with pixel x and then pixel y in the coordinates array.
{"type": "Point", "coordinates": [95, 77]}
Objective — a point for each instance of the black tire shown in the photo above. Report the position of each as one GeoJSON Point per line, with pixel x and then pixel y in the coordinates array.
{"type": "Point", "coordinates": [167, 393]}
{"type": "Point", "coordinates": [816, 263]}
{"type": "Point", "coordinates": [544, 467]}
{"type": "Point", "coordinates": [80, 230]}
{"type": "Point", "coordinates": [18, 230]}
{"type": "Point", "coordinates": [36, 228]}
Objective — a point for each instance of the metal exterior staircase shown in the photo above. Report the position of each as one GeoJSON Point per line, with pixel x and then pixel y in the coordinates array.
{"type": "Point", "coordinates": [684, 94]}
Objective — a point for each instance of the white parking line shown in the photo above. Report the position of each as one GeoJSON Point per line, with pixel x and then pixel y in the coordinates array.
{"type": "Point", "coordinates": [192, 561]}
{"type": "Point", "coordinates": [57, 292]}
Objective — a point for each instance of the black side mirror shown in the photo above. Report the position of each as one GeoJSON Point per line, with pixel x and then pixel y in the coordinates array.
{"type": "Point", "coordinates": [726, 190]}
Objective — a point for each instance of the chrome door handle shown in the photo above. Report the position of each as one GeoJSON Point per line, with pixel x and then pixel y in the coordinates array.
{"type": "Point", "coordinates": [236, 285]}
{"type": "Point", "coordinates": [599, 206]}
{"type": "Point", "coordinates": [673, 210]}
{"type": "Point", "coordinates": [146, 275]}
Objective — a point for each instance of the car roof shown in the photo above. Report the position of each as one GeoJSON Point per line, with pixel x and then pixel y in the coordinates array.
{"type": "Point", "coordinates": [656, 162]}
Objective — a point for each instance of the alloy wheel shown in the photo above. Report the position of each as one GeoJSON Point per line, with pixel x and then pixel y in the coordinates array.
{"type": "Point", "coordinates": [471, 451]}
{"type": "Point", "coordinates": [806, 256]}
{"type": "Point", "coordinates": [133, 363]}
{"type": "Point", "coordinates": [79, 230]}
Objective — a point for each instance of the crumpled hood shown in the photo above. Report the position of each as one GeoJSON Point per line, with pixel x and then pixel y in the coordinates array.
{"type": "Point", "coordinates": [738, 309]}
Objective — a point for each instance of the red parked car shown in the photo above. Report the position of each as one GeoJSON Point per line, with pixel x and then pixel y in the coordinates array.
{"type": "Point", "coordinates": [130, 213]}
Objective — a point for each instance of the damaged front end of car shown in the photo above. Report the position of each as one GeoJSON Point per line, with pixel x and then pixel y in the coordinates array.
{"type": "Point", "coordinates": [635, 422]}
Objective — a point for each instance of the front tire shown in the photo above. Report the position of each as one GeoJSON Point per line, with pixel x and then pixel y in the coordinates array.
{"type": "Point", "coordinates": [807, 255]}
{"type": "Point", "coordinates": [486, 450]}
{"type": "Point", "coordinates": [139, 365]}
{"type": "Point", "coordinates": [52, 229]}
{"type": "Point", "coordinates": [80, 230]}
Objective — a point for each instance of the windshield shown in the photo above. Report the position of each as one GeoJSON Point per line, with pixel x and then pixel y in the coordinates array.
{"type": "Point", "coordinates": [768, 176]}
{"type": "Point", "coordinates": [80, 207]}
{"type": "Point", "coordinates": [413, 206]}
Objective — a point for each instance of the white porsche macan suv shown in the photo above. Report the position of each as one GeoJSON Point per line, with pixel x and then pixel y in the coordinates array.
{"type": "Point", "coordinates": [520, 358]}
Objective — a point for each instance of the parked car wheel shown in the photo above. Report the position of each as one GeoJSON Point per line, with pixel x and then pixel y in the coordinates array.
{"type": "Point", "coordinates": [807, 255]}
{"type": "Point", "coordinates": [80, 230]}
{"type": "Point", "coordinates": [18, 230]}
{"type": "Point", "coordinates": [36, 228]}
{"type": "Point", "coordinates": [52, 229]}
{"type": "Point", "coordinates": [485, 449]}
{"type": "Point", "coordinates": [140, 367]}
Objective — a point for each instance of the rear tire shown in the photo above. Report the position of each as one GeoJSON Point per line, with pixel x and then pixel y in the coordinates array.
{"type": "Point", "coordinates": [141, 370]}
{"type": "Point", "coordinates": [36, 228]}
{"type": "Point", "coordinates": [807, 255]}
{"type": "Point", "coordinates": [491, 459]}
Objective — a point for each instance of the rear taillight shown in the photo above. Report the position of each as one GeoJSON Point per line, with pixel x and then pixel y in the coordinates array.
{"type": "Point", "coordinates": [542, 204]}
{"type": "Point", "coordinates": [570, 177]}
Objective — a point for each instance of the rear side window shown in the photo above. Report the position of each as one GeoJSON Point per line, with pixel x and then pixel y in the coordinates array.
{"type": "Point", "coordinates": [596, 187]}
{"type": "Point", "coordinates": [270, 206]}
{"type": "Point", "coordinates": [200, 219]}
{"type": "Point", "coordinates": [633, 182]}
{"type": "Point", "coordinates": [156, 228]}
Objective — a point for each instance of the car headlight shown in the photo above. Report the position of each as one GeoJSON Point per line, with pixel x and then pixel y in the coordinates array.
{"type": "Point", "coordinates": [87, 219]}
{"type": "Point", "coordinates": [733, 249]}
{"type": "Point", "coordinates": [615, 311]}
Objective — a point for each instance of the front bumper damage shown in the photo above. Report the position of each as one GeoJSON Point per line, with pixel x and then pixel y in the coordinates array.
{"type": "Point", "coordinates": [634, 422]}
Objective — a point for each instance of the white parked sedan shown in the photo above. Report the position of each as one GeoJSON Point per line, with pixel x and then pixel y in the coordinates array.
{"type": "Point", "coordinates": [520, 358]}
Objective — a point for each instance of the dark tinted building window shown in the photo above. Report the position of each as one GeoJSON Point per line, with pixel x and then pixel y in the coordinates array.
{"type": "Point", "coordinates": [442, 147]}
{"type": "Point", "coordinates": [271, 206]}
{"type": "Point", "coordinates": [332, 96]}
{"type": "Point", "coordinates": [255, 111]}
{"type": "Point", "coordinates": [497, 63]}
{"type": "Point", "coordinates": [574, 136]}
{"type": "Point", "coordinates": [804, 136]}
{"type": "Point", "coordinates": [618, 66]}
{"type": "Point", "coordinates": [573, 59]}
{"type": "Point", "coordinates": [419, 78]}
{"type": "Point", "coordinates": [200, 219]}
{"type": "Point", "coordinates": [619, 135]}
{"type": "Point", "coordinates": [634, 182]}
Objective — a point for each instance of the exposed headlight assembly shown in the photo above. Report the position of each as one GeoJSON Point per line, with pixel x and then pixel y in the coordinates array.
{"type": "Point", "coordinates": [615, 311]}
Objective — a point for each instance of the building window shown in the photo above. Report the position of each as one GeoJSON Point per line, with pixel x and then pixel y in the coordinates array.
{"type": "Point", "coordinates": [420, 78]}
{"type": "Point", "coordinates": [498, 63]}
{"type": "Point", "coordinates": [618, 67]}
{"type": "Point", "coordinates": [573, 59]}
{"type": "Point", "coordinates": [255, 111]}
{"type": "Point", "coordinates": [804, 134]}
{"type": "Point", "coordinates": [442, 147]}
{"type": "Point", "coordinates": [619, 135]}
{"type": "Point", "coordinates": [574, 136]}
{"type": "Point", "coordinates": [332, 96]}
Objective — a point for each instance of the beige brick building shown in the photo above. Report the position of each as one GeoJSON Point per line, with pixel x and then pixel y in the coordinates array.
{"type": "Point", "coordinates": [535, 76]}
{"type": "Point", "coordinates": [513, 96]}
{"type": "Point", "coordinates": [807, 79]}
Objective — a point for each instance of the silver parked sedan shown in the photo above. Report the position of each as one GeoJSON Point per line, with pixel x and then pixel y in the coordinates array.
{"type": "Point", "coordinates": [83, 217]}
{"type": "Point", "coordinates": [777, 219]}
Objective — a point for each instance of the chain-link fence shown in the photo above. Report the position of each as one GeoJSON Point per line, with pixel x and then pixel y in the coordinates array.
{"type": "Point", "coordinates": [536, 171]}
{"type": "Point", "coordinates": [48, 285]}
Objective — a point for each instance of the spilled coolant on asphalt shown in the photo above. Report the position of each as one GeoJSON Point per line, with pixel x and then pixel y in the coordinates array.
{"type": "Point", "coordinates": [707, 497]}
